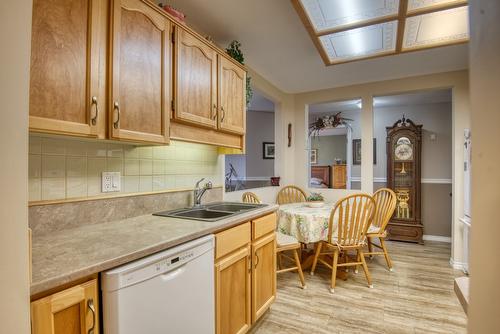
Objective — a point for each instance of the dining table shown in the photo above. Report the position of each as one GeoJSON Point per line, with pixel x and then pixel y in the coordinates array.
{"type": "Point", "coordinates": [307, 224]}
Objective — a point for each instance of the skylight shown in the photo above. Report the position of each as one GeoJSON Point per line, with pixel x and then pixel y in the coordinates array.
{"type": "Point", "coordinates": [349, 30]}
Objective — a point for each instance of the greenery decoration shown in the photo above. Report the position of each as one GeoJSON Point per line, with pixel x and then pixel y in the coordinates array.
{"type": "Point", "coordinates": [235, 52]}
{"type": "Point", "coordinates": [315, 197]}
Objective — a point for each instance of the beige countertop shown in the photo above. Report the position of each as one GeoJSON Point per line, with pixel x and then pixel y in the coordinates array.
{"type": "Point", "coordinates": [68, 255]}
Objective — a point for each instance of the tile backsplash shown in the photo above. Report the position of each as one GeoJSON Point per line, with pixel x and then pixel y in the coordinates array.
{"type": "Point", "coordinates": [65, 168]}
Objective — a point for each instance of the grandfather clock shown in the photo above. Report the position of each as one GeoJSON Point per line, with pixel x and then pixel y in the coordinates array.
{"type": "Point", "coordinates": [404, 151]}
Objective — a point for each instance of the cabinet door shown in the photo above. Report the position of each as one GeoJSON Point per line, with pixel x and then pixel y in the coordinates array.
{"type": "Point", "coordinates": [68, 44]}
{"type": "Point", "coordinates": [195, 80]}
{"type": "Point", "coordinates": [263, 274]}
{"type": "Point", "coordinates": [232, 293]}
{"type": "Point", "coordinates": [72, 311]}
{"type": "Point", "coordinates": [232, 97]}
{"type": "Point", "coordinates": [140, 66]}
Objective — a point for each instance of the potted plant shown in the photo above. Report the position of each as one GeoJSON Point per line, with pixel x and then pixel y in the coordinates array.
{"type": "Point", "coordinates": [315, 200]}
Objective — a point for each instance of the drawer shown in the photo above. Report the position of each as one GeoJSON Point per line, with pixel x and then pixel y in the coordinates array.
{"type": "Point", "coordinates": [263, 225]}
{"type": "Point", "coordinates": [232, 239]}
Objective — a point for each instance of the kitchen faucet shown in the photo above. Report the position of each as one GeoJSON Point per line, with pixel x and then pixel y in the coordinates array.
{"type": "Point", "coordinates": [198, 192]}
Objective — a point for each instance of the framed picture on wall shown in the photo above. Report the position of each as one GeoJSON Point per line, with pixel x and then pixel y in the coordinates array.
{"type": "Point", "coordinates": [267, 150]}
{"type": "Point", "coordinates": [356, 151]}
{"type": "Point", "coordinates": [314, 156]}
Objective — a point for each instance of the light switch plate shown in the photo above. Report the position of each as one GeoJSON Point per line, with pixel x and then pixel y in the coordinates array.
{"type": "Point", "coordinates": [111, 182]}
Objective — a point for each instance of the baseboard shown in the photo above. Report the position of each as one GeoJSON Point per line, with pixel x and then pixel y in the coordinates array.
{"type": "Point", "coordinates": [457, 265]}
{"type": "Point", "coordinates": [437, 238]}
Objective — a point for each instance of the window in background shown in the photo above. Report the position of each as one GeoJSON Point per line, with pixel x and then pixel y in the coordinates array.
{"type": "Point", "coordinates": [255, 168]}
{"type": "Point", "coordinates": [331, 149]}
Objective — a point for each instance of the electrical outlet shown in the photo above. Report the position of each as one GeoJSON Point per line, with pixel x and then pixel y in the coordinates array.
{"type": "Point", "coordinates": [111, 182]}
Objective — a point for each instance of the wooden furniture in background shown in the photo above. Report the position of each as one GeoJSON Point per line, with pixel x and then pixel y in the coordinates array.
{"type": "Point", "coordinates": [322, 173]}
{"type": "Point", "coordinates": [385, 204]}
{"type": "Point", "coordinates": [291, 194]}
{"type": "Point", "coordinates": [339, 176]}
{"type": "Point", "coordinates": [250, 197]}
{"type": "Point", "coordinates": [140, 68]}
{"type": "Point", "coordinates": [67, 90]}
{"type": "Point", "coordinates": [404, 152]}
{"type": "Point", "coordinates": [355, 213]}
{"type": "Point", "coordinates": [245, 274]}
{"type": "Point", "coordinates": [287, 243]}
{"type": "Point", "coordinates": [74, 310]}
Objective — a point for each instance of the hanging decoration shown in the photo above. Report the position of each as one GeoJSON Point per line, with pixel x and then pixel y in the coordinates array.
{"type": "Point", "coordinates": [328, 122]}
{"type": "Point", "coordinates": [235, 52]}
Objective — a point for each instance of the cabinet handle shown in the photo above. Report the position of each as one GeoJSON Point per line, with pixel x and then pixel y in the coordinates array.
{"type": "Point", "coordinates": [249, 264]}
{"type": "Point", "coordinates": [256, 262]}
{"type": "Point", "coordinates": [214, 116]}
{"type": "Point", "coordinates": [116, 107]}
{"type": "Point", "coordinates": [94, 103]}
{"type": "Point", "coordinates": [223, 114]}
{"type": "Point", "coordinates": [90, 306]}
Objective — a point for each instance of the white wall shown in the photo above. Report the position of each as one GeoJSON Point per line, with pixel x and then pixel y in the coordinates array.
{"type": "Point", "coordinates": [484, 307]}
{"type": "Point", "coordinates": [15, 38]}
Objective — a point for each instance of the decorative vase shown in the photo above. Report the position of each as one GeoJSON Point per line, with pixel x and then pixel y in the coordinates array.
{"type": "Point", "coordinates": [275, 181]}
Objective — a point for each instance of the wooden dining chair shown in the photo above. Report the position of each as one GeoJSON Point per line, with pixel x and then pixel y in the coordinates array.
{"type": "Point", "coordinates": [385, 204]}
{"type": "Point", "coordinates": [291, 194]}
{"type": "Point", "coordinates": [287, 243]}
{"type": "Point", "coordinates": [250, 197]}
{"type": "Point", "coordinates": [354, 214]}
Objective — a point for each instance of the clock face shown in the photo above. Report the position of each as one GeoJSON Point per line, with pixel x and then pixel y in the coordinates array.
{"type": "Point", "coordinates": [403, 149]}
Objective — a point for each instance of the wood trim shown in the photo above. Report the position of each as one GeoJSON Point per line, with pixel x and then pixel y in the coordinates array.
{"type": "Point", "coordinates": [232, 239]}
{"type": "Point", "coordinates": [100, 197]}
{"type": "Point", "coordinates": [401, 17]}
{"type": "Point", "coordinates": [403, 7]}
{"type": "Point", "coordinates": [191, 133]}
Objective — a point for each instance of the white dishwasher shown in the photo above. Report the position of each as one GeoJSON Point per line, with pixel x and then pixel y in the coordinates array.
{"type": "Point", "coordinates": [168, 292]}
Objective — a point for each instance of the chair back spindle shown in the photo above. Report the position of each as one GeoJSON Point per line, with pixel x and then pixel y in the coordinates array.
{"type": "Point", "coordinates": [291, 194]}
{"type": "Point", "coordinates": [354, 214]}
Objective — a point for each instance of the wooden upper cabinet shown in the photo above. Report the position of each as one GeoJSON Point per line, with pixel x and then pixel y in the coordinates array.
{"type": "Point", "coordinates": [195, 80]}
{"type": "Point", "coordinates": [72, 311]}
{"type": "Point", "coordinates": [232, 97]}
{"type": "Point", "coordinates": [140, 84]}
{"type": "Point", "coordinates": [66, 82]}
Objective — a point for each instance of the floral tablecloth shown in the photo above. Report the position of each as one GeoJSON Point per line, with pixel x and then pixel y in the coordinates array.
{"type": "Point", "coordinates": [306, 224]}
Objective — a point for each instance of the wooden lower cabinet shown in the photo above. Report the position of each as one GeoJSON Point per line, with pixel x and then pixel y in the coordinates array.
{"type": "Point", "coordinates": [245, 274]}
{"type": "Point", "coordinates": [71, 311]}
{"type": "Point", "coordinates": [263, 274]}
{"type": "Point", "coordinates": [233, 301]}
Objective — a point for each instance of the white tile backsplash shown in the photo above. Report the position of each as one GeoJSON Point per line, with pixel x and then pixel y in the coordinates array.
{"type": "Point", "coordinates": [64, 168]}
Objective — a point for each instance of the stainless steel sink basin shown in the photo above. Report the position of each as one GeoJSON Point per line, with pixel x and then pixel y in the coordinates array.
{"type": "Point", "coordinates": [211, 212]}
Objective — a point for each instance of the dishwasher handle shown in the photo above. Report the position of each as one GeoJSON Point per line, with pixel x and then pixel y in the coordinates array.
{"type": "Point", "coordinates": [173, 274]}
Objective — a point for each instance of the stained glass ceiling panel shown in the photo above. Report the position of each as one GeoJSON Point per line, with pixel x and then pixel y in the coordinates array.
{"type": "Point", "coordinates": [414, 5]}
{"type": "Point", "coordinates": [361, 42]}
{"type": "Point", "coordinates": [327, 15]}
{"type": "Point", "coordinates": [439, 28]}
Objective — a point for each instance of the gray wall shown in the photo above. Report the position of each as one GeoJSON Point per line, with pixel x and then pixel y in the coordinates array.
{"type": "Point", "coordinates": [329, 148]}
{"type": "Point", "coordinates": [260, 128]}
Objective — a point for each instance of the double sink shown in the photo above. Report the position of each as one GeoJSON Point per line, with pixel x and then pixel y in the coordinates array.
{"type": "Point", "coordinates": [211, 212]}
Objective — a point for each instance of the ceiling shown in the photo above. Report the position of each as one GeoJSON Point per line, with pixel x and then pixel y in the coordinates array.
{"type": "Point", "coordinates": [424, 97]}
{"type": "Point", "coordinates": [277, 46]}
{"type": "Point", "coordinates": [346, 31]}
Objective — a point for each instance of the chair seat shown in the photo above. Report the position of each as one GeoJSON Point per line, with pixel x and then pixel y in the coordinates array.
{"type": "Point", "coordinates": [285, 240]}
{"type": "Point", "coordinates": [373, 229]}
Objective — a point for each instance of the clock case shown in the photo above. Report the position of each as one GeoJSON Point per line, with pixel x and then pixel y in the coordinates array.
{"type": "Point", "coordinates": [401, 229]}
